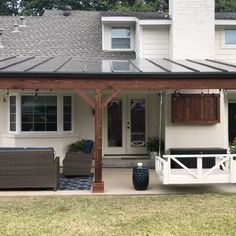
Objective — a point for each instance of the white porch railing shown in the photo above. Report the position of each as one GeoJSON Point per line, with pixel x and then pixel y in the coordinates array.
{"type": "Point", "coordinates": [224, 170]}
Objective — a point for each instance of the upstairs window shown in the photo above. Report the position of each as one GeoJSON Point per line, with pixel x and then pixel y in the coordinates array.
{"type": "Point", "coordinates": [230, 37]}
{"type": "Point", "coordinates": [120, 38]}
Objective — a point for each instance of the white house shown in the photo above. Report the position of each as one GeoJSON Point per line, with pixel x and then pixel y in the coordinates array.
{"type": "Point", "coordinates": [170, 75]}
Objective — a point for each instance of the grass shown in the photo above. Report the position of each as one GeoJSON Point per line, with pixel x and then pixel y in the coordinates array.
{"type": "Point", "coordinates": [203, 214]}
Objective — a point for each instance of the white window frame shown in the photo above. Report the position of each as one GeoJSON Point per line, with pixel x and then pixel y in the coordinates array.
{"type": "Point", "coordinates": [223, 39]}
{"type": "Point", "coordinates": [107, 38]}
{"type": "Point", "coordinates": [60, 116]}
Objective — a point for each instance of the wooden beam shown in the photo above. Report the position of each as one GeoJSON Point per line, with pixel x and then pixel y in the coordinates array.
{"type": "Point", "coordinates": [86, 98]}
{"type": "Point", "coordinates": [109, 98]}
{"type": "Point", "coordinates": [98, 184]}
{"type": "Point", "coordinates": [117, 84]}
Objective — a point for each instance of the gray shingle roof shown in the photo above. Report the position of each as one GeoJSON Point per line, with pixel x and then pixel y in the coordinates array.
{"type": "Point", "coordinates": [56, 35]}
{"type": "Point", "coordinates": [225, 15]}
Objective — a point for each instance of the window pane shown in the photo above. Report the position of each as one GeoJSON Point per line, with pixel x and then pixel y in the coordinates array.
{"type": "Point", "coordinates": [51, 126]}
{"type": "Point", "coordinates": [67, 116]}
{"type": "Point", "coordinates": [51, 118]}
{"type": "Point", "coordinates": [12, 126]}
{"type": "Point", "coordinates": [27, 127]}
{"type": "Point", "coordinates": [13, 100]}
{"type": "Point", "coordinates": [115, 123]}
{"type": "Point", "coordinates": [120, 65]}
{"type": "Point", "coordinates": [67, 109]}
{"type": "Point", "coordinates": [12, 113]}
{"type": "Point", "coordinates": [38, 112]}
{"type": "Point", "coordinates": [120, 43]}
{"type": "Point", "coordinates": [39, 127]}
{"type": "Point", "coordinates": [27, 117]}
{"type": "Point", "coordinates": [67, 100]}
{"type": "Point", "coordinates": [12, 117]}
{"type": "Point", "coordinates": [67, 126]}
{"type": "Point", "coordinates": [12, 108]}
{"type": "Point", "coordinates": [40, 117]}
{"type": "Point", "coordinates": [137, 122]}
{"type": "Point", "coordinates": [230, 37]}
{"type": "Point", "coordinates": [117, 32]}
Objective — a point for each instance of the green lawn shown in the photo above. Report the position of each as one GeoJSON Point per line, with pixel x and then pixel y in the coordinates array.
{"type": "Point", "coordinates": [203, 214]}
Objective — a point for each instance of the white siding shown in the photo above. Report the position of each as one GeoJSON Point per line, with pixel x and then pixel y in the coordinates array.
{"type": "Point", "coordinates": [222, 52]}
{"type": "Point", "coordinates": [197, 136]}
{"type": "Point", "coordinates": [192, 30]}
{"type": "Point", "coordinates": [156, 42]}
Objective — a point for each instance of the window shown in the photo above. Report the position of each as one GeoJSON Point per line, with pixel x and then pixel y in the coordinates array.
{"type": "Point", "coordinates": [230, 37]}
{"type": "Point", "coordinates": [120, 66]}
{"type": "Point", "coordinates": [67, 116]}
{"type": "Point", "coordinates": [40, 113]}
{"type": "Point", "coordinates": [12, 113]}
{"type": "Point", "coordinates": [120, 38]}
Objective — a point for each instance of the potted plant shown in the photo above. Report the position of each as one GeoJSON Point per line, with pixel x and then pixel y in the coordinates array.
{"type": "Point", "coordinates": [78, 158]}
{"type": "Point", "coordinates": [153, 147]}
{"type": "Point", "coordinates": [76, 146]}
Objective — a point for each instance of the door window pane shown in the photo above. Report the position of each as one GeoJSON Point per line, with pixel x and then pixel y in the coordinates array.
{"type": "Point", "coordinates": [115, 123]}
{"type": "Point", "coordinates": [138, 123]}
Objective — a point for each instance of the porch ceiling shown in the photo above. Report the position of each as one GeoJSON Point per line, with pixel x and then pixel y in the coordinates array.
{"type": "Point", "coordinates": [73, 72]}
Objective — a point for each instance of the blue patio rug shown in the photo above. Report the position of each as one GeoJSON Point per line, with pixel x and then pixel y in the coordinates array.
{"type": "Point", "coordinates": [76, 183]}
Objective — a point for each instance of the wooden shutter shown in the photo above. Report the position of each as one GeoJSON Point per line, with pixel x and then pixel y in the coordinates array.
{"type": "Point", "coordinates": [196, 108]}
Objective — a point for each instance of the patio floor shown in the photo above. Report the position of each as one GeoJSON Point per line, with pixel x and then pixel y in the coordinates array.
{"type": "Point", "coordinates": [118, 181]}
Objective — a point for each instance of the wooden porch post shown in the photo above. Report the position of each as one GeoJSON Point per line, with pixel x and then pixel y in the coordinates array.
{"type": "Point", "coordinates": [98, 184]}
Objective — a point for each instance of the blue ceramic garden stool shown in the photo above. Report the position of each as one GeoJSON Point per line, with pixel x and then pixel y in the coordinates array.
{"type": "Point", "coordinates": [140, 177]}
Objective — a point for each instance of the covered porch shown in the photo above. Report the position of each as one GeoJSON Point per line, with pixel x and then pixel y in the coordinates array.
{"type": "Point", "coordinates": [99, 83]}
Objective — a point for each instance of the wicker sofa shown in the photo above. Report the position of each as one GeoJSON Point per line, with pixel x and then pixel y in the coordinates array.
{"type": "Point", "coordinates": [22, 168]}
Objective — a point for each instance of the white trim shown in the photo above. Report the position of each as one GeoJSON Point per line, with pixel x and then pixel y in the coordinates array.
{"type": "Point", "coordinates": [225, 22]}
{"type": "Point", "coordinates": [110, 19]}
{"type": "Point", "coordinates": [154, 22]}
{"type": "Point", "coordinates": [124, 19]}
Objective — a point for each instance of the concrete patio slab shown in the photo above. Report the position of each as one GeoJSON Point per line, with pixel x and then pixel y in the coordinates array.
{"type": "Point", "coordinates": [118, 181]}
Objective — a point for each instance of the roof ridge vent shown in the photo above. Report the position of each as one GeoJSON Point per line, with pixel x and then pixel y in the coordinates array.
{"type": "Point", "coordinates": [22, 22]}
{"type": "Point", "coordinates": [16, 28]}
{"type": "Point", "coordinates": [161, 7]}
{"type": "Point", "coordinates": [1, 33]}
{"type": "Point", "coordinates": [67, 10]}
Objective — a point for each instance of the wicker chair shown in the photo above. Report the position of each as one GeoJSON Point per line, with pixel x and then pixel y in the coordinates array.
{"type": "Point", "coordinates": [79, 163]}
{"type": "Point", "coordinates": [32, 168]}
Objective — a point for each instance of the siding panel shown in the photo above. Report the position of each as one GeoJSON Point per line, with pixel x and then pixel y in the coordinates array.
{"type": "Point", "coordinates": [156, 41]}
